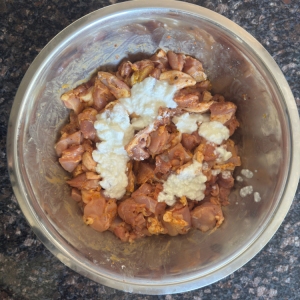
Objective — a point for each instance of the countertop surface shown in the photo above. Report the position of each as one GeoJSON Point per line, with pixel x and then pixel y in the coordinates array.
{"type": "Point", "coordinates": [27, 269]}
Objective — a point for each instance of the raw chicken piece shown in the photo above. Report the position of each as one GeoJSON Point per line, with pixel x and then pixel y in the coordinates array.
{"type": "Point", "coordinates": [222, 112]}
{"type": "Point", "coordinates": [77, 171]}
{"type": "Point", "coordinates": [155, 225]}
{"type": "Point", "coordinates": [201, 107]}
{"type": "Point", "coordinates": [81, 182]}
{"type": "Point", "coordinates": [66, 141]}
{"type": "Point", "coordinates": [208, 189]}
{"type": "Point", "coordinates": [151, 204]}
{"type": "Point", "coordinates": [194, 97]}
{"type": "Point", "coordinates": [101, 95]}
{"type": "Point", "coordinates": [117, 87]}
{"type": "Point", "coordinates": [140, 232]}
{"type": "Point", "coordinates": [124, 72]}
{"type": "Point", "coordinates": [156, 190]}
{"type": "Point", "coordinates": [132, 212]}
{"type": "Point", "coordinates": [235, 159]}
{"type": "Point", "coordinates": [173, 159]}
{"type": "Point", "coordinates": [88, 162]}
{"type": "Point", "coordinates": [160, 60]}
{"type": "Point", "coordinates": [218, 98]}
{"type": "Point", "coordinates": [186, 100]}
{"type": "Point", "coordinates": [225, 180]}
{"type": "Point", "coordinates": [206, 96]}
{"type": "Point", "coordinates": [224, 193]}
{"type": "Point", "coordinates": [196, 89]}
{"type": "Point", "coordinates": [232, 125]}
{"type": "Point", "coordinates": [176, 61]}
{"type": "Point", "coordinates": [174, 139]}
{"type": "Point", "coordinates": [179, 79]}
{"type": "Point", "coordinates": [99, 214]}
{"type": "Point", "coordinates": [142, 69]}
{"type": "Point", "coordinates": [213, 178]}
{"type": "Point", "coordinates": [71, 157]}
{"type": "Point", "coordinates": [209, 151]}
{"type": "Point", "coordinates": [86, 121]}
{"type": "Point", "coordinates": [162, 166]}
{"type": "Point", "coordinates": [194, 68]}
{"type": "Point", "coordinates": [80, 89]}
{"type": "Point", "coordinates": [125, 69]}
{"type": "Point", "coordinates": [145, 173]}
{"type": "Point", "coordinates": [158, 139]}
{"type": "Point", "coordinates": [83, 93]}
{"type": "Point", "coordinates": [92, 175]}
{"type": "Point", "coordinates": [73, 126]}
{"type": "Point", "coordinates": [215, 190]}
{"type": "Point", "coordinates": [142, 64]}
{"type": "Point", "coordinates": [190, 141]}
{"type": "Point", "coordinates": [131, 177]}
{"type": "Point", "coordinates": [120, 229]}
{"type": "Point", "coordinates": [88, 146]}
{"type": "Point", "coordinates": [207, 216]}
{"type": "Point", "coordinates": [177, 219]}
{"type": "Point", "coordinates": [76, 195]}
{"type": "Point", "coordinates": [140, 75]}
{"type": "Point", "coordinates": [155, 73]}
{"type": "Point", "coordinates": [87, 195]}
{"type": "Point", "coordinates": [72, 101]}
{"type": "Point", "coordinates": [203, 86]}
{"type": "Point", "coordinates": [179, 153]}
{"type": "Point", "coordinates": [144, 189]}
{"type": "Point", "coordinates": [87, 96]}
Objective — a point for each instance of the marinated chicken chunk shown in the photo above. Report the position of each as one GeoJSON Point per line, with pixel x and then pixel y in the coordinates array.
{"type": "Point", "coordinates": [176, 61]}
{"type": "Point", "coordinates": [71, 157]}
{"type": "Point", "coordinates": [99, 213]}
{"type": "Point", "coordinates": [66, 141]}
{"type": "Point", "coordinates": [207, 216]}
{"type": "Point", "coordinates": [194, 68]}
{"type": "Point", "coordinates": [177, 219]}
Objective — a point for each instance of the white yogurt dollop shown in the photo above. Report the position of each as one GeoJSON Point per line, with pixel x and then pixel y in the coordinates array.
{"type": "Point", "coordinates": [188, 123]}
{"type": "Point", "coordinates": [190, 182]}
{"type": "Point", "coordinates": [214, 132]}
{"type": "Point", "coordinates": [146, 98]}
{"type": "Point", "coordinates": [247, 173]}
{"type": "Point", "coordinates": [247, 190]}
{"type": "Point", "coordinates": [115, 131]}
{"type": "Point", "coordinates": [239, 178]}
{"type": "Point", "coordinates": [257, 197]}
{"type": "Point", "coordinates": [224, 155]}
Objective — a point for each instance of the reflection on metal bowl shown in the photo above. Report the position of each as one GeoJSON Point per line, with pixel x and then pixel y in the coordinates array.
{"type": "Point", "coordinates": [268, 138]}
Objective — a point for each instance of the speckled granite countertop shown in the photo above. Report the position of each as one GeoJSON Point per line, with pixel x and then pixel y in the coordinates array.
{"type": "Point", "coordinates": [27, 269]}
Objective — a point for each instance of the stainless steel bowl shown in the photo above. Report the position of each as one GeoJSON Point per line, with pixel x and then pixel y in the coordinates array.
{"type": "Point", "coordinates": [238, 66]}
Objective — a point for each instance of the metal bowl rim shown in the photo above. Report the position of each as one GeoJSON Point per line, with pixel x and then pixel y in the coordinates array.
{"type": "Point", "coordinates": [57, 43]}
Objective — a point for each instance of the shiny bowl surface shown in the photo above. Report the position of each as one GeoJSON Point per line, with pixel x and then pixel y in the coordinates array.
{"type": "Point", "coordinates": [268, 139]}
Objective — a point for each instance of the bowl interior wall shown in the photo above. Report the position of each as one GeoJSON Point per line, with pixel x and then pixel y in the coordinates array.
{"type": "Point", "coordinates": [262, 139]}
